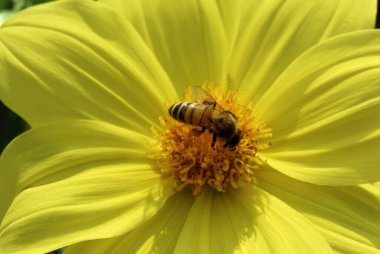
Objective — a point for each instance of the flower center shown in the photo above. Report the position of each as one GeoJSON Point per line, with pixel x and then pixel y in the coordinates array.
{"type": "Point", "coordinates": [189, 156]}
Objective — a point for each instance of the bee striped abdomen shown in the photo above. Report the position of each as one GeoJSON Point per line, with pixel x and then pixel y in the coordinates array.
{"type": "Point", "coordinates": [178, 111]}
{"type": "Point", "coordinates": [190, 113]}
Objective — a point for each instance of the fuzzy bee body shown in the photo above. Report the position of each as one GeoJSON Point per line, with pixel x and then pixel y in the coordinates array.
{"type": "Point", "coordinates": [192, 113]}
{"type": "Point", "coordinates": [208, 115]}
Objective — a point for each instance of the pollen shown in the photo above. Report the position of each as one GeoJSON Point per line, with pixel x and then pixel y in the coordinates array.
{"type": "Point", "coordinates": [192, 161]}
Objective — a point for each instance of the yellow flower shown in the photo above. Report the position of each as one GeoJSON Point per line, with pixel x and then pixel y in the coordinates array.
{"type": "Point", "coordinates": [94, 78]}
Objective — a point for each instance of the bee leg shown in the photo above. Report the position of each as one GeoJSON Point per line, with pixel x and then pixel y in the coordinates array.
{"type": "Point", "coordinates": [213, 140]}
{"type": "Point", "coordinates": [196, 132]}
{"type": "Point", "coordinates": [232, 148]}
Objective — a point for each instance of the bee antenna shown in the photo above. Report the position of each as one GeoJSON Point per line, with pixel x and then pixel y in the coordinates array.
{"type": "Point", "coordinates": [232, 114]}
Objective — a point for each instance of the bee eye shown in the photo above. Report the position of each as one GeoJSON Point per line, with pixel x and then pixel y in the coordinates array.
{"type": "Point", "coordinates": [220, 120]}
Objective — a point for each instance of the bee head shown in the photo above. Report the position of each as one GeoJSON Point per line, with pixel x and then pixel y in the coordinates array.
{"type": "Point", "coordinates": [234, 141]}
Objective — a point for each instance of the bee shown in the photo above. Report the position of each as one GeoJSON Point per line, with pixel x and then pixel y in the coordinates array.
{"type": "Point", "coordinates": [208, 114]}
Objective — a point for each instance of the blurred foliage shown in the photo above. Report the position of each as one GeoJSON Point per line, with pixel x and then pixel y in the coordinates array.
{"type": "Point", "coordinates": [4, 15]}
{"type": "Point", "coordinates": [5, 4]}
{"type": "Point", "coordinates": [6, 10]}
{"type": "Point", "coordinates": [17, 5]}
{"type": "Point", "coordinates": [22, 4]}
{"type": "Point", "coordinates": [11, 125]}
{"type": "Point", "coordinates": [10, 7]}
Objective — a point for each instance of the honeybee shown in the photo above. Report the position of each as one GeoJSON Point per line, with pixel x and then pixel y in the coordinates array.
{"type": "Point", "coordinates": [208, 114]}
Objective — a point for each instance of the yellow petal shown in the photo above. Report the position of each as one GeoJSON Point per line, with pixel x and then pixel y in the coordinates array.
{"type": "Point", "coordinates": [158, 235]}
{"type": "Point", "coordinates": [272, 34]}
{"type": "Point", "coordinates": [199, 40]}
{"type": "Point", "coordinates": [73, 181]}
{"type": "Point", "coordinates": [190, 38]}
{"type": "Point", "coordinates": [348, 217]}
{"type": "Point", "coordinates": [85, 63]}
{"type": "Point", "coordinates": [373, 188]}
{"type": "Point", "coordinates": [324, 113]}
{"type": "Point", "coordinates": [247, 220]}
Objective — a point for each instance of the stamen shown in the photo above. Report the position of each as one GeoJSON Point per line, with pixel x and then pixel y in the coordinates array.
{"type": "Point", "coordinates": [191, 160]}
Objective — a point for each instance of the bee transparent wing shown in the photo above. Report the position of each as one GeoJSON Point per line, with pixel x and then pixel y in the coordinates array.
{"type": "Point", "coordinates": [218, 108]}
{"type": "Point", "coordinates": [201, 96]}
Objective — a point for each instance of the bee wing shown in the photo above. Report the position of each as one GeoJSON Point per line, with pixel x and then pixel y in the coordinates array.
{"type": "Point", "coordinates": [219, 108]}
{"type": "Point", "coordinates": [201, 96]}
